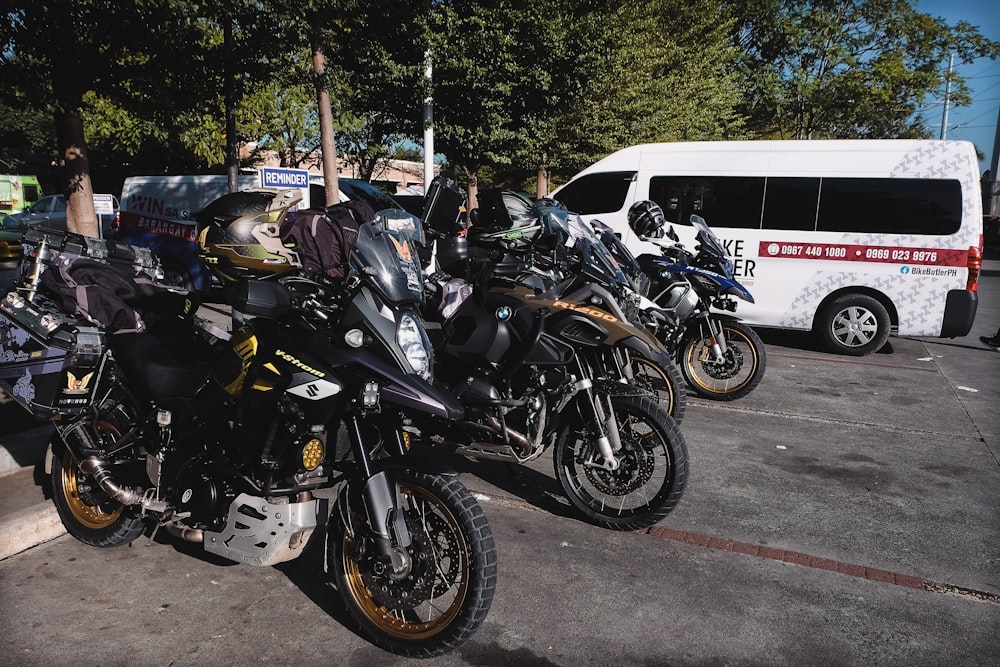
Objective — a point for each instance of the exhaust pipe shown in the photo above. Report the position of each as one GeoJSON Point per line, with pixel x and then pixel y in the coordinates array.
{"type": "Point", "coordinates": [95, 468]}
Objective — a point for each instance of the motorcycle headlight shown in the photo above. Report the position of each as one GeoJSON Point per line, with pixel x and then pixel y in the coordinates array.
{"type": "Point", "coordinates": [412, 340]}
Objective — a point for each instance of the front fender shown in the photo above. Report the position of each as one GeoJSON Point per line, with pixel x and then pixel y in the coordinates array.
{"type": "Point", "coordinates": [653, 351]}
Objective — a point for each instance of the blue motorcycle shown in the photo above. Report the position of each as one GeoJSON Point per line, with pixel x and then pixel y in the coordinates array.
{"type": "Point", "coordinates": [720, 357]}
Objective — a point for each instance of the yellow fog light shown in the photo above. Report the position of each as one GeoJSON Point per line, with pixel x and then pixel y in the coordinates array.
{"type": "Point", "coordinates": [312, 454]}
{"type": "Point", "coordinates": [406, 440]}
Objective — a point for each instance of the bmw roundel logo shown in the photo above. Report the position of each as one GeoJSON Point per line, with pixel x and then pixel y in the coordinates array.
{"type": "Point", "coordinates": [503, 313]}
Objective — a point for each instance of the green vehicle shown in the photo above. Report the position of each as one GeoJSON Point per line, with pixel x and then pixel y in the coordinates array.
{"type": "Point", "coordinates": [17, 192]}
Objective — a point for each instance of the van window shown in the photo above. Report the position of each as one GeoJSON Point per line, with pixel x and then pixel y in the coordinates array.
{"type": "Point", "coordinates": [790, 203]}
{"type": "Point", "coordinates": [597, 193]}
{"type": "Point", "coordinates": [32, 192]}
{"type": "Point", "coordinates": [724, 201]}
{"type": "Point", "coordinates": [890, 206]}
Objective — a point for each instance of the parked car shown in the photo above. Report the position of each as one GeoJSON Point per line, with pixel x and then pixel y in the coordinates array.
{"type": "Point", "coordinates": [11, 231]}
{"type": "Point", "coordinates": [353, 189]}
{"type": "Point", "coordinates": [50, 211]}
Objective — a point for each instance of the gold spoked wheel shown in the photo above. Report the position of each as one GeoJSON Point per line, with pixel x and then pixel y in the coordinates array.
{"type": "Point", "coordinates": [81, 499]}
{"type": "Point", "coordinates": [87, 512]}
{"type": "Point", "coordinates": [443, 593]}
{"type": "Point", "coordinates": [430, 597]}
{"type": "Point", "coordinates": [736, 375]}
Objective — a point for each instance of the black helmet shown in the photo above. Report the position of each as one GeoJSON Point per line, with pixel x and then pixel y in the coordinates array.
{"type": "Point", "coordinates": [241, 233]}
{"type": "Point", "coordinates": [645, 218]}
{"type": "Point", "coordinates": [505, 218]}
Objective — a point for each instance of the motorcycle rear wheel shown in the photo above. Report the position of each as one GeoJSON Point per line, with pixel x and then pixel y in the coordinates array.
{"type": "Point", "coordinates": [446, 596]}
{"type": "Point", "coordinates": [87, 512]}
{"type": "Point", "coordinates": [650, 479]}
{"type": "Point", "coordinates": [740, 372]}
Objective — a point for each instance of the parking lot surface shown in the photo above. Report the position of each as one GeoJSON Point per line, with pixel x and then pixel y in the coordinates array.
{"type": "Point", "coordinates": [845, 512]}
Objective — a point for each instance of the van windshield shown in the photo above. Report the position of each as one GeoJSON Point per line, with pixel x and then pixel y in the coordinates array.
{"type": "Point", "coordinates": [603, 192]}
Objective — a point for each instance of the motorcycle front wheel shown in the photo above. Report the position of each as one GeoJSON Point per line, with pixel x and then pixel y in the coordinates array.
{"type": "Point", "coordinates": [652, 467]}
{"type": "Point", "coordinates": [738, 372]}
{"type": "Point", "coordinates": [446, 594]}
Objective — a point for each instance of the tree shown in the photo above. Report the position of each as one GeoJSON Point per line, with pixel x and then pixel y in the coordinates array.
{"type": "Point", "coordinates": [62, 76]}
{"type": "Point", "coordinates": [486, 75]}
{"type": "Point", "coordinates": [846, 68]}
{"type": "Point", "coordinates": [641, 72]}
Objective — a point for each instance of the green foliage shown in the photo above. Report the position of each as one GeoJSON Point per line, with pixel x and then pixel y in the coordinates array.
{"type": "Point", "coordinates": [517, 87]}
{"type": "Point", "coordinates": [656, 71]}
{"type": "Point", "coordinates": [846, 68]}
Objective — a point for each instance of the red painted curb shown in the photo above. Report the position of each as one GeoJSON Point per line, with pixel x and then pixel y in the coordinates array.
{"type": "Point", "coordinates": [794, 557]}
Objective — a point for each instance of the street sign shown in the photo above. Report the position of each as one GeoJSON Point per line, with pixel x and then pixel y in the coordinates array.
{"type": "Point", "coordinates": [104, 204]}
{"type": "Point", "coordinates": [273, 177]}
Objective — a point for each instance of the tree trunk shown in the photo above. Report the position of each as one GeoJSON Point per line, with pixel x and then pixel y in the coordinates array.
{"type": "Point", "coordinates": [232, 148]}
{"type": "Point", "coordinates": [81, 217]}
{"type": "Point", "coordinates": [542, 189]}
{"type": "Point", "coordinates": [328, 148]}
{"type": "Point", "coordinates": [472, 192]}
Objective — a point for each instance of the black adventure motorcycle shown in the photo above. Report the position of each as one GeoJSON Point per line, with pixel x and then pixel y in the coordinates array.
{"type": "Point", "coordinates": [227, 442]}
{"type": "Point", "coordinates": [535, 373]}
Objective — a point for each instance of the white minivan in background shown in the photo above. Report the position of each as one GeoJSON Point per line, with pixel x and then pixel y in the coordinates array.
{"type": "Point", "coordinates": [853, 239]}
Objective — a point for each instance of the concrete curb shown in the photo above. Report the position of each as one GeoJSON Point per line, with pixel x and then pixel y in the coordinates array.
{"type": "Point", "coordinates": [24, 449]}
{"type": "Point", "coordinates": [28, 528]}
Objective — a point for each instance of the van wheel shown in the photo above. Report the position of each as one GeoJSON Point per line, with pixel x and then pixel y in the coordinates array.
{"type": "Point", "coordinates": [175, 275]}
{"type": "Point", "coordinates": [854, 324]}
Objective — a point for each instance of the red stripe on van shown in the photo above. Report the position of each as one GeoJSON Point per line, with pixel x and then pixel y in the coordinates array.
{"type": "Point", "coordinates": [845, 252]}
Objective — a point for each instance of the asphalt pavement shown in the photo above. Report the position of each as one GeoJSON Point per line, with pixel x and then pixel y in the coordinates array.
{"type": "Point", "coordinates": [844, 513]}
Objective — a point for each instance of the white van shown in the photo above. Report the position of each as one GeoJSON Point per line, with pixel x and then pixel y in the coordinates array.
{"type": "Point", "coordinates": [853, 239]}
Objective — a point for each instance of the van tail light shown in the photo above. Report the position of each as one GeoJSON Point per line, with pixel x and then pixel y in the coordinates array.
{"type": "Point", "coordinates": [975, 264]}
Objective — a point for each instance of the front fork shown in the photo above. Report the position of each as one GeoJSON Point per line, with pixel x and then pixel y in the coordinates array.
{"type": "Point", "coordinates": [715, 351]}
{"type": "Point", "coordinates": [382, 501]}
{"type": "Point", "coordinates": [605, 423]}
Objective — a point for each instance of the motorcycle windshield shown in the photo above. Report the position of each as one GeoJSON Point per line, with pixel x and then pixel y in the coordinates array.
{"type": "Point", "coordinates": [387, 260]}
{"type": "Point", "coordinates": [595, 254]}
{"type": "Point", "coordinates": [707, 238]}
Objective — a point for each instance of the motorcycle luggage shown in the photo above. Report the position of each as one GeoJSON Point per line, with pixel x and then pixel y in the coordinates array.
{"type": "Point", "coordinates": [50, 363]}
{"type": "Point", "coordinates": [442, 206]}
{"type": "Point", "coordinates": [54, 245]}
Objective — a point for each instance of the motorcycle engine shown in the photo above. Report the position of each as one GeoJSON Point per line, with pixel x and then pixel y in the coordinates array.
{"type": "Point", "coordinates": [205, 495]}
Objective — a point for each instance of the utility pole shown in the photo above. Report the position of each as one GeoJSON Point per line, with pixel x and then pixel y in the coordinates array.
{"type": "Point", "coordinates": [947, 98]}
{"type": "Point", "coordinates": [428, 113]}
{"type": "Point", "coordinates": [992, 184]}
{"type": "Point", "coordinates": [428, 124]}
{"type": "Point", "coordinates": [996, 151]}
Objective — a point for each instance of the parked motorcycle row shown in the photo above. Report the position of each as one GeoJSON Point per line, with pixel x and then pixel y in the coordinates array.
{"type": "Point", "coordinates": [319, 411]}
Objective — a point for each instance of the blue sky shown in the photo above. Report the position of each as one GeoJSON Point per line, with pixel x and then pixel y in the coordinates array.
{"type": "Point", "coordinates": [978, 122]}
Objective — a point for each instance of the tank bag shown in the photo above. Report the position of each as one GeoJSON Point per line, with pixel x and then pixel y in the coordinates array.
{"type": "Point", "coordinates": [324, 238]}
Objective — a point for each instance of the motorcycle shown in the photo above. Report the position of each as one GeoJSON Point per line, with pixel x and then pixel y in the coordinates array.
{"type": "Point", "coordinates": [570, 264]}
{"type": "Point", "coordinates": [720, 357]}
{"type": "Point", "coordinates": [229, 440]}
{"type": "Point", "coordinates": [536, 373]}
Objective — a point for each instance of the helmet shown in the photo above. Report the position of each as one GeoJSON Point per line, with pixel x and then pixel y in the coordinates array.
{"type": "Point", "coordinates": [645, 218]}
{"type": "Point", "coordinates": [506, 219]}
{"type": "Point", "coordinates": [240, 234]}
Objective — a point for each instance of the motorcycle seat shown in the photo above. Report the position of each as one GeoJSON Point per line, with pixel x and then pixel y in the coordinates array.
{"type": "Point", "coordinates": [158, 367]}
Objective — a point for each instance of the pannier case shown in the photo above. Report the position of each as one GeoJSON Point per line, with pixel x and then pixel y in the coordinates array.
{"type": "Point", "coordinates": [51, 362]}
